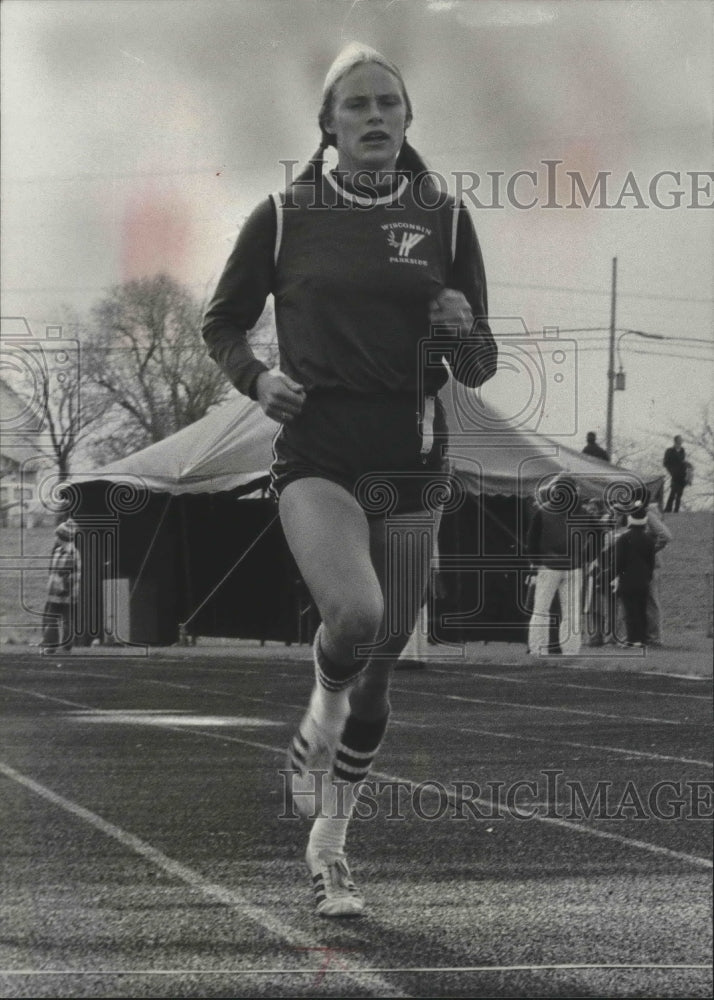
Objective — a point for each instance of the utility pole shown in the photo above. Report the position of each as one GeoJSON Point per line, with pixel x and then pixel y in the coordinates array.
{"type": "Point", "coordinates": [611, 362]}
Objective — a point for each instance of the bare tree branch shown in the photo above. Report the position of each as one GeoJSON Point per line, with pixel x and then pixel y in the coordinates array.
{"type": "Point", "coordinates": [146, 353]}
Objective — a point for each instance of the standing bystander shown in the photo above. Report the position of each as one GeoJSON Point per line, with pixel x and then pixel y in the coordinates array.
{"type": "Point", "coordinates": [62, 590]}
{"type": "Point", "coordinates": [662, 536]}
{"type": "Point", "coordinates": [634, 566]}
{"type": "Point", "coordinates": [675, 462]}
{"type": "Point", "coordinates": [551, 544]}
{"type": "Point", "coordinates": [593, 449]}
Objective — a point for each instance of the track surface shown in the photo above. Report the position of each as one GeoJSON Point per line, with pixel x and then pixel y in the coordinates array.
{"type": "Point", "coordinates": [144, 853]}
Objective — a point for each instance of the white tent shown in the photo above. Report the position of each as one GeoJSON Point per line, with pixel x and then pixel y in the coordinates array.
{"type": "Point", "coordinates": [232, 446]}
{"type": "Point", "coordinates": [202, 469]}
{"type": "Point", "coordinates": [228, 448]}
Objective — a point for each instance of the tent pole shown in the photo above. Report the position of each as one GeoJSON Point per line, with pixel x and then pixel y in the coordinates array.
{"type": "Point", "coordinates": [151, 545]}
{"type": "Point", "coordinates": [611, 362]}
{"type": "Point", "coordinates": [184, 638]}
{"type": "Point", "coordinates": [183, 626]}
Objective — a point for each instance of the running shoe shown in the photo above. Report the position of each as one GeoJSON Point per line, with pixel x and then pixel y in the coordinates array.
{"type": "Point", "coordinates": [336, 895]}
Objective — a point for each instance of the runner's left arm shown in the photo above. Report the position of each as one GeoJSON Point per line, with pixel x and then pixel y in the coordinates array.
{"type": "Point", "coordinates": [477, 359]}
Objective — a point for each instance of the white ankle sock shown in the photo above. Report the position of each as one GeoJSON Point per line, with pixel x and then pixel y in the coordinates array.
{"type": "Point", "coordinates": [329, 831]}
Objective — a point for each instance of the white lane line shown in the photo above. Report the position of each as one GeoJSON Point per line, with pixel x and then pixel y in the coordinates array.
{"type": "Point", "coordinates": [578, 687]}
{"type": "Point", "coordinates": [635, 693]}
{"type": "Point", "coordinates": [439, 694]}
{"type": "Point", "coordinates": [323, 971]}
{"type": "Point", "coordinates": [352, 968]}
{"type": "Point", "coordinates": [541, 708]}
{"type": "Point", "coordinates": [677, 677]}
{"type": "Point", "coordinates": [565, 824]}
{"type": "Point", "coordinates": [43, 697]}
{"type": "Point", "coordinates": [624, 751]}
{"type": "Point", "coordinates": [119, 678]}
{"type": "Point", "coordinates": [644, 845]}
{"type": "Point", "coordinates": [466, 673]}
{"type": "Point", "coordinates": [647, 754]}
{"type": "Point", "coordinates": [184, 687]}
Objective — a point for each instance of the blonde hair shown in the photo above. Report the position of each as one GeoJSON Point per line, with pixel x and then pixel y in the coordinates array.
{"type": "Point", "coordinates": [355, 54]}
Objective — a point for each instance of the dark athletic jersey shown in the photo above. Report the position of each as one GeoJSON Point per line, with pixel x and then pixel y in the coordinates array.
{"type": "Point", "coordinates": [352, 279]}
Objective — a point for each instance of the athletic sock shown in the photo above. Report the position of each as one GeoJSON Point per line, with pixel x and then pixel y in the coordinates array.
{"type": "Point", "coordinates": [329, 701]}
{"type": "Point", "coordinates": [357, 748]}
{"type": "Point", "coordinates": [356, 751]}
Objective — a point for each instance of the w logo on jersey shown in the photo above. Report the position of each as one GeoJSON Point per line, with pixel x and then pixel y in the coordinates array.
{"type": "Point", "coordinates": [403, 237]}
{"type": "Point", "coordinates": [407, 242]}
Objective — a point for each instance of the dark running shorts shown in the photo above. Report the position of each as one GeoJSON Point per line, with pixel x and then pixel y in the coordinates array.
{"type": "Point", "coordinates": [368, 443]}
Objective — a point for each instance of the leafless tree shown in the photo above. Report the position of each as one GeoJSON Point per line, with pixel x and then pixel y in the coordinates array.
{"type": "Point", "coordinates": [67, 422]}
{"type": "Point", "coordinates": [632, 452]}
{"type": "Point", "coordinates": [59, 411]}
{"type": "Point", "coordinates": [702, 437]}
{"type": "Point", "coordinates": [145, 352]}
{"type": "Point", "coordinates": [699, 444]}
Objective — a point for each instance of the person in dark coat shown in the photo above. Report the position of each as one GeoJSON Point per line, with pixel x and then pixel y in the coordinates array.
{"type": "Point", "coordinates": [675, 462]}
{"type": "Point", "coordinates": [634, 567]}
{"type": "Point", "coordinates": [558, 561]}
{"type": "Point", "coordinates": [593, 449]}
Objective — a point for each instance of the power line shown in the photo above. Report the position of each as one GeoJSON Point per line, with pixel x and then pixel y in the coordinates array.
{"type": "Point", "coordinates": [499, 284]}
{"type": "Point", "coordinates": [677, 357]}
{"type": "Point", "coordinates": [662, 349]}
{"type": "Point", "coordinates": [87, 288]}
{"type": "Point", "coordinates": [648, 334]}
{"type": "Point", "coordinates": [120, 175]}
{"type": "Point", "coordinates": [705, 341]}
{"type": "Point", "coordinates": [598, 291]}
{"type": "Point", "coordinates": [663, 354]}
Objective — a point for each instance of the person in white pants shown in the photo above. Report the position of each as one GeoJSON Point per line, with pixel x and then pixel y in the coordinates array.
{"type": "Point", "coordinates": [567, 583]}
{"type": "Point", "coordinates": [556, 550]}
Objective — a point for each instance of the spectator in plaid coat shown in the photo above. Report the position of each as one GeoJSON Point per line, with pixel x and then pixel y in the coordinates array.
{"type": "Point", "coordinates": [62, 590]}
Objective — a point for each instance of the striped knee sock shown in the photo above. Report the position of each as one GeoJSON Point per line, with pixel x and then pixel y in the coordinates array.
{"type": "Point", "coordinates": [329, 701]}
{"type": "Point", "coordinates": [356, 751]}
{"type": "Point", "coordinates": [357, 748]}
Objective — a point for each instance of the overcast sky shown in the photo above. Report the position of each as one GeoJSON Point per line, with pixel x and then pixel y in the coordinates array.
{"type": "Point", "coordinates": [137, 135]}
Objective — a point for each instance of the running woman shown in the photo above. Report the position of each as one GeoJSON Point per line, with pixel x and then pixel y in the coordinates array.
{"type": "Point", "coordinates": [364, 263]}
